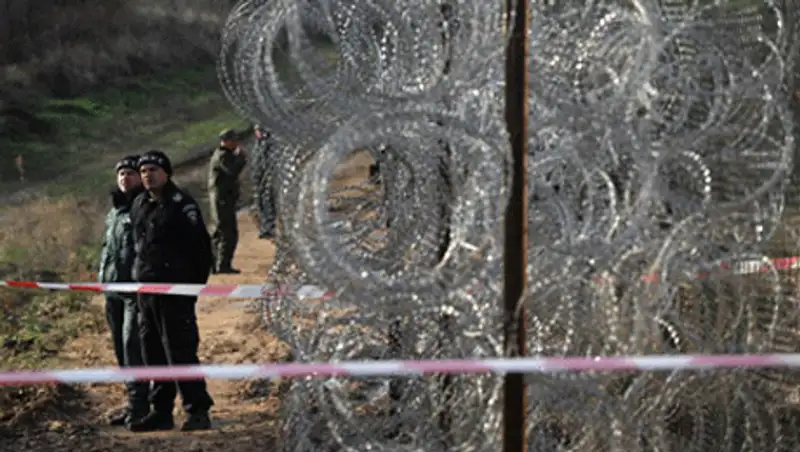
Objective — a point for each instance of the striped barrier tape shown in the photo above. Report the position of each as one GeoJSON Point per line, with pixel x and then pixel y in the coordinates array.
{"type": "Point", "coordinates": [402, 368]}
{"type": "Point", "coordinates": [198, 290]}
{"type": "Point", "coordinates": [309, 291]}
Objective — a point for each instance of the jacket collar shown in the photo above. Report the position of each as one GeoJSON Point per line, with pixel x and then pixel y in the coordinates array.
{"type": "Point", "coordinates": [120, 199]}
{"type": "Point", "coordinates": [169, 189]}
{"type": "Point", "coordinates": [167, 193]}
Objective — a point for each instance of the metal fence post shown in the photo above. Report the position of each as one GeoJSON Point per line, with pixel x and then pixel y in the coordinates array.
{"type": "Point", "coordinates": [516, 227]}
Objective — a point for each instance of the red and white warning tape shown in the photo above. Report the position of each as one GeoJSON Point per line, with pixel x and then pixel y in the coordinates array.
{"type": "Point", "coordinates": [198, 290]}
{"type": "Point", "coordinates": [402, 368]}
{"type": "Point", "coordinates": [309, 291]}
{"type": "Point", "coordinates": [376, 368]}
{"type": "Point", "coordinates": [750, 267]}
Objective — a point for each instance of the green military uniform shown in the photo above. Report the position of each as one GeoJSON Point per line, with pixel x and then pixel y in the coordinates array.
{"type": "Point", "coordinates": [223, 194]}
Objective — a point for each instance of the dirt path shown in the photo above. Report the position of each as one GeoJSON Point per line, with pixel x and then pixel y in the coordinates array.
{"type": "Point", "coordinates": [245, 413]}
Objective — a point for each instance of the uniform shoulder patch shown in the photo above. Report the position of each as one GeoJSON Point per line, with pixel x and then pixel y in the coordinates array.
{"type": "Point", "coordinates": [192, 213]}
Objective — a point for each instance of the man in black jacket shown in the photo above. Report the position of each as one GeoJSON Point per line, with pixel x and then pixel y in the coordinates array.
{"type": "Point", "coordinates": [116, 265]}
{"type": "Point", "coordinates": [172, 246]}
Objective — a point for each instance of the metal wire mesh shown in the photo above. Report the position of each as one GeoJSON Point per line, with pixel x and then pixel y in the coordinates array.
{"type": "Point", "coordinates": [661, 152]}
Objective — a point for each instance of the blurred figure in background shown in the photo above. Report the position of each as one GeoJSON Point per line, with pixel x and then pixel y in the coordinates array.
{"type": "Point", "coordinates": [116, 265]}
{"type": "Point", "coordinates": [19, 162]}
{"type": "Point", "coordinates": [261, 175]}
{"type": "Point", "coordinates": [227, 163]}
{"type": "Point", "coordinates": [375, 168]}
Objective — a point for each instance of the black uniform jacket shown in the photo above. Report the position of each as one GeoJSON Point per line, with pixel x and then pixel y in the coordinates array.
{"type": "Point", "coordinates": [171, 239]}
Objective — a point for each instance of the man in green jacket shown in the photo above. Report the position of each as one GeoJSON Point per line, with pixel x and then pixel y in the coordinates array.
{"type": "Point", "coordinates": [116, 264]}
{"type": "Point", "coordinates": [226, 165]}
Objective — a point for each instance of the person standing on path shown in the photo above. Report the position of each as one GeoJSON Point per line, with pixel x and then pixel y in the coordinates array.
{"type": "Point", "coordinates": [261, 175]}
{"type": "Point", "coordinates": [116, 265]}
{"type": "Point", "coordinates": [227, 163]}
{"type": "Point", "coordinates": [172, 246]}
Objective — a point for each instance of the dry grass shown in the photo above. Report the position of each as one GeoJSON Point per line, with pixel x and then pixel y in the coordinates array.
{"type": "Point", "coordinates": [49, 240]}
{"type": "Point", "coordinates": [52, 235]}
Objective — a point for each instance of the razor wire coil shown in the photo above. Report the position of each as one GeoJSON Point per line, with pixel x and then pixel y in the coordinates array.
{"type": "Point", "coordinates": [660, 148]}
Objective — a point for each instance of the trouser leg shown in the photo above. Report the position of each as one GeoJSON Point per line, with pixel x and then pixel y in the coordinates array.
{"type": "Point", "coordinates": [269, 213]}
{"type": "Point", "coordinates": [231, 238]}
{"type": "Point", "coordinates": [138, 391]}
{"type": "Point", "coordinates": [163, 393]}
{"type": "Point", "coordinates": [266, 209]}
{"type": "Point", "coordinates": [226, 235]}
{"type": "Point", "coordinates": [182, 339]}
{"type": "Point", "coordinates": [265, 217]}
{"type": "Point", "coordinates": [216, 233]}
{"type": "Point", "coordinates": [216, 246]}
{"type": "Point", "coordinates": [115, 309]}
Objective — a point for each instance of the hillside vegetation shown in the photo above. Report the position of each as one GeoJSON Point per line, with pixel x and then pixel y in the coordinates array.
{"type": "Point", "coordinates": [85, 81]}
{"type": "Point", "coordinates": [67, 47]}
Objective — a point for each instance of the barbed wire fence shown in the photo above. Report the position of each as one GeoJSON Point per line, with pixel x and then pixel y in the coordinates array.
{"type": "Point", "coordinates": [661, 149]}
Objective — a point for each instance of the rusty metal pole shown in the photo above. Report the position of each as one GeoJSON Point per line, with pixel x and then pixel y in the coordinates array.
{"type": "Point", "coordinates": [516, 226]}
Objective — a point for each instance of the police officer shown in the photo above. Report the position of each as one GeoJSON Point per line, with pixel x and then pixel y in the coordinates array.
{"type": "Point", "coordinates": [227, 163]}
{"type": "Point", "coordinates": [116, 265]}
{"type": "Point", "coordinates": [262, 179]}
{"type": "Point", "coordinates": [172, 245]}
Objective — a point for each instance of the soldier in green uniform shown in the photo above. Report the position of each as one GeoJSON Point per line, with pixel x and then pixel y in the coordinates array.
{"type": "Point", "coordinates": [226, 165]}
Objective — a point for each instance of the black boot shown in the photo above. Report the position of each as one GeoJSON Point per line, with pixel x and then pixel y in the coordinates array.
{"type": "Point", "coordinates": [119, 417]}
{"type": "Point", "coordinates": [153, 422]}
{"type": "Point", "coordinates": [123, 416]}
{"type": "Point", "coordinates": [197, 421]}
{"type": "Point", "coordinates": [225, 268]}
{"type": "Point", "coordinates": [138, 412]}
{"type": "Point", "coordinates": [228, 271]}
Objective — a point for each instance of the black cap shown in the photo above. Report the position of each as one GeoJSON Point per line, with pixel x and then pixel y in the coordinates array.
{"type": "Point", "coordinates": [155, 157]}
{"type": "Point", "coordinates": [128, 162]}
{"type": "Point", "coordinates": [228, 134]}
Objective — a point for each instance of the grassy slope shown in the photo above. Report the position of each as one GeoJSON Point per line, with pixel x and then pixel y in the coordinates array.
{"type": "Point", "coordinates": [174, 112]}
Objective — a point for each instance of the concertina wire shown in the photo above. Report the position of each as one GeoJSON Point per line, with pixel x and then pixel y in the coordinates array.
{"type": "Point", "coordinates": [660, 143]}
